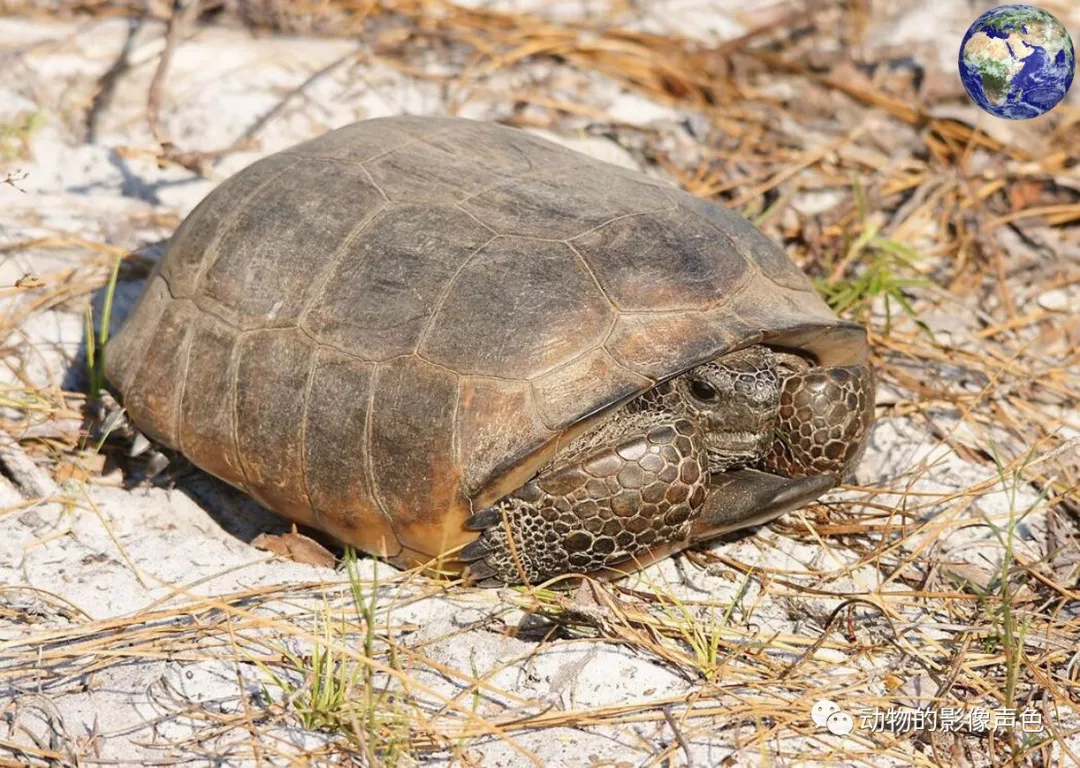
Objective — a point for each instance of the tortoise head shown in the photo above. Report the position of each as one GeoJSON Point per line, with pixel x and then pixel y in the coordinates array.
{"type": "Point", "coordinates": [778, 411]}
{"type": "Point", "coordinates": [735, 400]}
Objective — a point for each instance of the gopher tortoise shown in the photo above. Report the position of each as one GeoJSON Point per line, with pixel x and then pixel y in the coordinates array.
{"type": "Point", "coordinates": [454, 343]}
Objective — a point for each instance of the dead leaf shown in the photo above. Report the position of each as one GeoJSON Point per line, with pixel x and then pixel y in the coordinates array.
{"type": "Point", "coordinates": [1025, 194]}
{"type": "Point", "coordinates": [29, 281]}
{"type": "Point", "coordinates": [80, 468]}
{"type": "Point", "coordinates": [70, 470]}
{"type": "Point", "coordinates": [297, 547]}
{"type": "Point", "coordinates": [68, 430]}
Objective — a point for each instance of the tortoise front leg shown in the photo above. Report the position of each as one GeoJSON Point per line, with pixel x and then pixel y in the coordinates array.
{"type": "Point", "coordinates": [824, 418]}
{"type": "Point", "coordinates": [591, 537]}
{"type": "Point", "coordinates": [611, 507]}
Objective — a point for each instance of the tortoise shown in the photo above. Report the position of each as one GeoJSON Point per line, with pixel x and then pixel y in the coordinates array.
{"type": "Point", "coordinates": [451, 341]}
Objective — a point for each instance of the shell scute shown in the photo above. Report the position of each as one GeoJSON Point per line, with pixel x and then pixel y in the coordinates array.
{"type": "Point", "coordinates": [378, 297]}
{"type": "Point", "coordinates": [517, 309]}
{"type": "Point", "coordinates": [561, 203]}
{"type": "Point", "coordinates": [680, 261]}
{"type": "Point", "coordinates": [267, 281]}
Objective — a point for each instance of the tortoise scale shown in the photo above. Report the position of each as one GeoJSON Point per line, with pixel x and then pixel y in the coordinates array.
{"type": "Point", "coordinates": [421, 333]}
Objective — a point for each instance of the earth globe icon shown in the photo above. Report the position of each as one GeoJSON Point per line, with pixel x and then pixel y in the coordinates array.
{"type": "Point", "coordinates": [1017, 61]}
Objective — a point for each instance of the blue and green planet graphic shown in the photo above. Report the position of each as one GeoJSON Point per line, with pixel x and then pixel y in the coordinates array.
{"type": "Point", "coordinates": [1017, 61]}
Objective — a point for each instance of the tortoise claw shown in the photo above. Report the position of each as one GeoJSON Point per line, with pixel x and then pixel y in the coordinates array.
{"type": "Point", "coordinates": [474, 550]}
{"type": "Point", "coordinates": [117, 419]}
{"type": "Point", "coordinates": [484, 519]}
{"type": "Point", "coordinates": [157, 464]}
{"type": "Point", "coordinates": [139, 445]}
{"type": "Point", "coordinates": [480, 571]}
{"type": "Point", "coordinates": [747, 497]}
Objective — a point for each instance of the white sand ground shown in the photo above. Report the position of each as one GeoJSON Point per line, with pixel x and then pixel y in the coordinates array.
{"type": "Point", "coordinates": [113, 553]}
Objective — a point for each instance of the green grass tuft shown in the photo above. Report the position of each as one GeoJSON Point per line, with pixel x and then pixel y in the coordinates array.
{"type": "Point", "coordinates": [97, 340]}
{"type": "Point", "coordinates": [15, 135]}
{"type": "Point", "coordinates": [886, 269]}
{"type": "Point", "coordinates": [333, 691]}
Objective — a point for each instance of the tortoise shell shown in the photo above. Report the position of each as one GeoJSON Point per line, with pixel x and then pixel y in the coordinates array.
{"type": "Point", "coordinates": [380, 330]}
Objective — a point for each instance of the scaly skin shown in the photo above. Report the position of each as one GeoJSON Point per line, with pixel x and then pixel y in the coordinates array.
{"type": "Point", "coordinates": [639, 482]}
{"type": "Point", "coordinates": [823, 419]}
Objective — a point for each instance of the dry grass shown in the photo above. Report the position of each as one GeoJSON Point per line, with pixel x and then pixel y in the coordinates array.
{"type": "Point", "coordinates": [933, 218]}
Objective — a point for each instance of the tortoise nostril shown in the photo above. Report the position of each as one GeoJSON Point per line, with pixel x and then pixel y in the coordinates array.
{"type": "Point", "coordinates": [756, 390]}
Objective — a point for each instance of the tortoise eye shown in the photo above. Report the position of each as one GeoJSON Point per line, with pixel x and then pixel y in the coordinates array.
{"type": "Point", "coordinates": [703, 390]}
